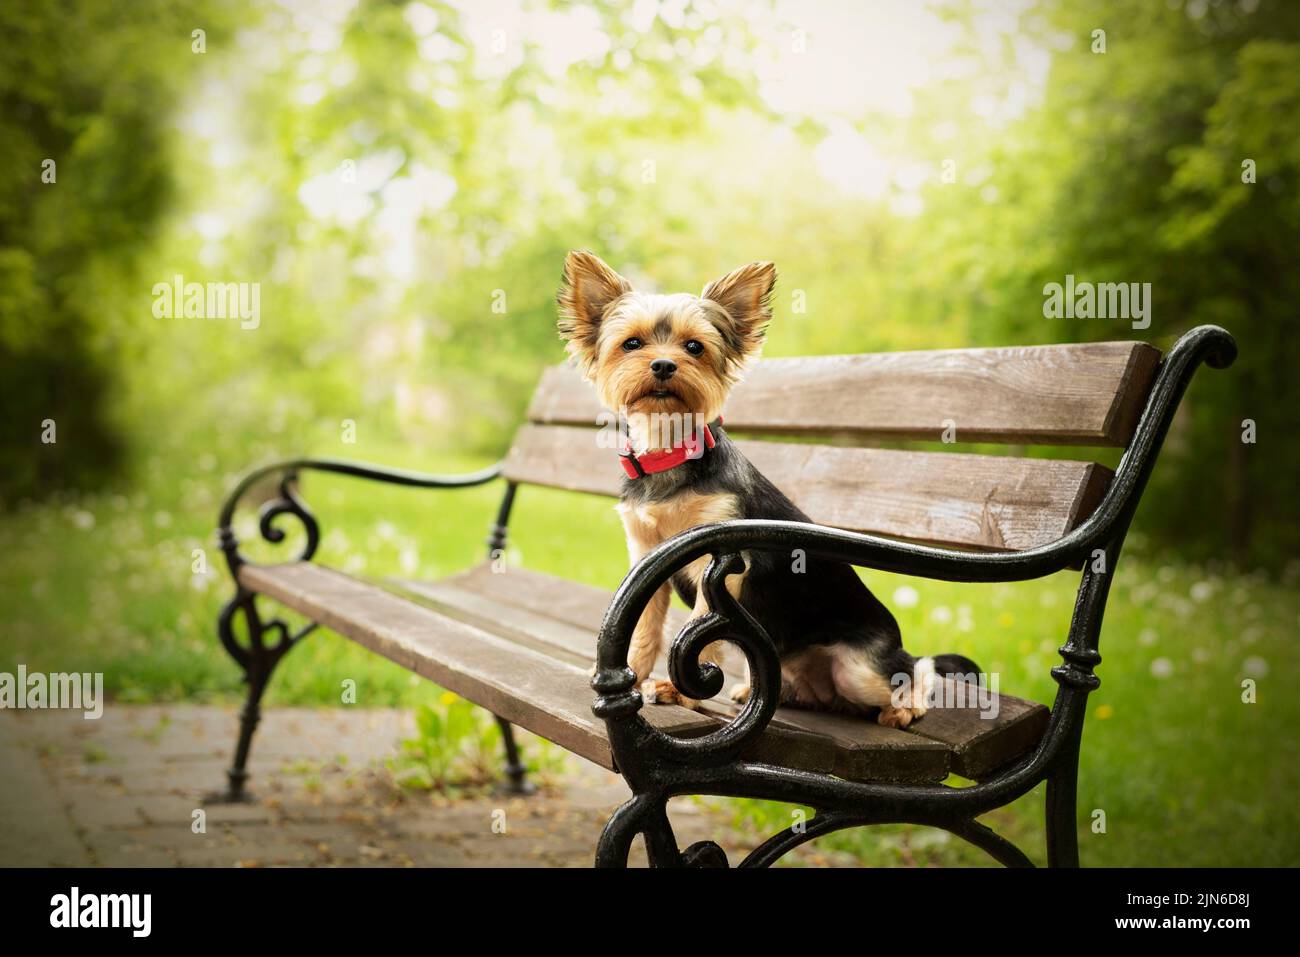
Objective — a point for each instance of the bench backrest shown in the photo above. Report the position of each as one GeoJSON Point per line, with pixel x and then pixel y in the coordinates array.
{"type": "Point", "coordinates": [1087, 394]}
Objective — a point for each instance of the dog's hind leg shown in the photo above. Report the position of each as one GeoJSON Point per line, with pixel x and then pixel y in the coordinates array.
{"type": "Point", "coordinates": [864, 680]}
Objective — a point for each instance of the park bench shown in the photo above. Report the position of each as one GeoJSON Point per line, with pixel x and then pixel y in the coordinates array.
{"type": "Point", "coordinates": [521, 643]}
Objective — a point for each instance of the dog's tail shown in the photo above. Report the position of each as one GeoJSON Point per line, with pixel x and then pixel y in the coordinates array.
{"type": "Point", "coordinates": [957, 666]}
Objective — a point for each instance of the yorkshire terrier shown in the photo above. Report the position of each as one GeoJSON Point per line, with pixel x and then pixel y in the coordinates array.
{"type": "Point", "coordinates": [664, 360]}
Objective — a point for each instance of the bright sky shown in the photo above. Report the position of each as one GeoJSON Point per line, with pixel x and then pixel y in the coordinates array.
{"type": "Point", "coordinates": [836, 60]}
{"type": "Point", "coordinates": [855, 57]}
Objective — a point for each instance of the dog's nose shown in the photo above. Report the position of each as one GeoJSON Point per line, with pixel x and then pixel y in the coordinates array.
{"type": "Point", "coordinates": [663, 369]}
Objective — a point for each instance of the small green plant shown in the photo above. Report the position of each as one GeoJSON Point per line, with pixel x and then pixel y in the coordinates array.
{"type": "Point", "coordinates": [453, 747]}
{"type": "Point", "coordinates": [302, 766]}
{"type": "Point", "coordinates": [544, 760]}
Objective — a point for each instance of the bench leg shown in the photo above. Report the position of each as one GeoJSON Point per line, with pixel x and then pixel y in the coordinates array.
{"type": "Point", "coordinates": [1062, 815]}
{"type": "Point", "coordinates": [516, 782]}
{"type": "Point", "coordinates": [249, 718]}
{"type": "Point", "coordinates": [646, 815]}
{"type": "Point", "coordinates": [258, 659]}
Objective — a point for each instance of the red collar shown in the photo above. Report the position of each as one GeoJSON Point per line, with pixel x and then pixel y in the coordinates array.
{"type": "Point", "coordinates": [639, 466]}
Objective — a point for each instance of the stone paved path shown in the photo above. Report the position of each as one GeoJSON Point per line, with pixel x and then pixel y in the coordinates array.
{"type": "Point", "coordinates": [123, 791]}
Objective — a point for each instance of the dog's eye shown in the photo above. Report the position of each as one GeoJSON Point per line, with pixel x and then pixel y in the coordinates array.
{"type": "Point", "coordinates": [632, 344]}
{"type": "Point", "coordinates": [694, 347]}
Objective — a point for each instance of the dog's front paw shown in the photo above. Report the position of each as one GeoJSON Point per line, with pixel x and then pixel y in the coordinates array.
{"type": "Point", "coordinates": [917, 707]}
{"type": "Point", "coordinates": [654, 691]}
{"type": "Point", "coordinates": [892, 717]}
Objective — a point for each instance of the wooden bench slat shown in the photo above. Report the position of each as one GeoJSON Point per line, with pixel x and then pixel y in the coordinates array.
{"type": "Point", "coordinates": [981, 745]}
{"type": "Point", "coordinates": [950, 498]}
{"type": "Point", "coordinates": [789, 741]}
{"type": "Point", "coordinates": [533, 690]}
{"type": "Point", "coordinates": [1074, 394]}
{"type": "Point", "coordinates": [864, 750]}
{"type": "Point", "coordinates": [528, 684]}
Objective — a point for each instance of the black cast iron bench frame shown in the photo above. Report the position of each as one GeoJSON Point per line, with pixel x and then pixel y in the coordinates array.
{"type": "Point", "coordinates": [658, 766]}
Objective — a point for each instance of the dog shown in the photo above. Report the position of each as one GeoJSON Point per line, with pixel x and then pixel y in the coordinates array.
{"type": "Point", "coordinates": [661, 360]}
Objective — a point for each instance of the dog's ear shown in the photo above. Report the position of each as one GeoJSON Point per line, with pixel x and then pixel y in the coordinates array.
{"type": "Point", "coordinates": [745, 294]}
{"type": "Point", "coordinates": [589, 287]}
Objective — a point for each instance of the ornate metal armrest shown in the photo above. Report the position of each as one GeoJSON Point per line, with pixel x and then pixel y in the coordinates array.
{"type": "Point", "coordinates": [268, 640]}
{"type": "Point", "coordinates": [290, 503]}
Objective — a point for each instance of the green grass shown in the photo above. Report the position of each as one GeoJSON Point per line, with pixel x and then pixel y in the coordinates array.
{"type": "Point", "coordinates": [1186, 773]}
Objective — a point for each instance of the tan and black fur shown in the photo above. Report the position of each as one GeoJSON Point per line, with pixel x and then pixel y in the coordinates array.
{"type": "Point", "coordinates": [661, 357]}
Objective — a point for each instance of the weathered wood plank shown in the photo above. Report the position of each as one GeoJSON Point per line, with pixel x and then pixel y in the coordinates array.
{"type": "Point", "coordinates": [790, 745]}
{"type": "Point", "coordinates": [980, 742]}
{"type": "Point", "coordinates": [533, 690]}
{"type": "Point", "coordinates": [974, 745]}
{"type": "Point", "coordinates": [1074, 394]}
{"type": "Point", "coordinates": [863, 749]}
{"type": "Point", "coordinates": [517, 669]}
{"type": "Point", "coordinates": [951, 498]}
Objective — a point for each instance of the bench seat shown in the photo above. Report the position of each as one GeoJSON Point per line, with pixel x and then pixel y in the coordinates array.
{"type": "Point", "coordinates": [521, 644]}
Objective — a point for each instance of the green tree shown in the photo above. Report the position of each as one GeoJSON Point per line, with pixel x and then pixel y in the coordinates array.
{"type": "Point", "coordinates": [86, 90]}
{"type": "Point", "coordinates": [1130, 169]}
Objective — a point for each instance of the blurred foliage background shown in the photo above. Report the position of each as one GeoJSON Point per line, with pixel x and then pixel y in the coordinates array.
{"type": "Point", "coordinates": [402, 180]}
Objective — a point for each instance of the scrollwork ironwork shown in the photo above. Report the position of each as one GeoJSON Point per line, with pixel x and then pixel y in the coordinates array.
{"type": "Point", "coordinates": [289, 502]}
{"type": "Point", "coordinates": [269, 640]}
